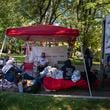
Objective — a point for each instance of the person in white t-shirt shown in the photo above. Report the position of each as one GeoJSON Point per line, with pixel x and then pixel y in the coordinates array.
{"type": "Point", "coordinates": [42, 62]}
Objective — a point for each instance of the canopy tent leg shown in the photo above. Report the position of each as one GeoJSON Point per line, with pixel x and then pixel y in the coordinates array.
{"type": "Point", "coordinates": [4, 41]}
{"type": "Point", "coordinates": [90, 91]}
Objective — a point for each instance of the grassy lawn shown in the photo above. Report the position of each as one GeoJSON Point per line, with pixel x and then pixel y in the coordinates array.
{"type": "Point", "coordinates": [15, 101]}
{"type": "Point", "coordinates": [76, 61]}
{"type": "Point", "coordinates": [19, 58]}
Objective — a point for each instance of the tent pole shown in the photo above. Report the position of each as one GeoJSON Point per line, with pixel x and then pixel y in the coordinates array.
{"type": "Point", "coordinates": [90, 91]}
{"type": "Point", "coordinates": [3, 45]}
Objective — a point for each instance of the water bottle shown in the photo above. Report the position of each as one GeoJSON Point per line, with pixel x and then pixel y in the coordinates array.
{"type": "Point", "coordinates": [20, 87]}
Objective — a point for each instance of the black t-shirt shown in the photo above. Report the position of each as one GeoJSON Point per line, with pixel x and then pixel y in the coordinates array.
{"type": "Point", "coordinates": [88, 53]}
{"type": "Point", "coordinates": [68, 71]}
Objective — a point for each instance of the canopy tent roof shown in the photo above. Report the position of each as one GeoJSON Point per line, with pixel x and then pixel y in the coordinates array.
{"type": "Point", "coordinates": [43, 33]}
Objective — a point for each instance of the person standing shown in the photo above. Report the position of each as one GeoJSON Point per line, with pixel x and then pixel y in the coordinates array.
{"type": "Point", "coordinates": [88, 55]}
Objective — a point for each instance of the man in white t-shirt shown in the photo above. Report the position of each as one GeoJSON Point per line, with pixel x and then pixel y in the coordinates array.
{"type": "Point", "coordinates": [42, 62]}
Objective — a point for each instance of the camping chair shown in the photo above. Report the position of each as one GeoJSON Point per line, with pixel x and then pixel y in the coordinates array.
{"type": "Point", "coordinates": [28, 68]}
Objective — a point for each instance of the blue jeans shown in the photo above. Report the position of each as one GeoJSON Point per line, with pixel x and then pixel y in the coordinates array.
{"type": "Point", "coordinates": [26, 76]}
{"type": "Point", "coordinates": [10, 77]}
{"type": "Point", "coordinates": [38, 80]}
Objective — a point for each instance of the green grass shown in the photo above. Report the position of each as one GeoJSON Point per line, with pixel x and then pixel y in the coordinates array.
{"type": "Point", "coordinates": [80, 62]}
{"type": "Point", "coordinates": [76, 61]}
{"type": "Point", "coordinates": [19, 58]}
{"type": "Point", "coordinates": [15, 101]}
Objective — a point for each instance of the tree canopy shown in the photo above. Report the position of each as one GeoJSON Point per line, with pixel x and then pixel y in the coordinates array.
{"type": "Point", "coordinates": [86, 15]}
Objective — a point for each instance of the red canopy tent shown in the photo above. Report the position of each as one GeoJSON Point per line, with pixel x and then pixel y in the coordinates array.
{"type": "Point", "coordinates": [43, 32]}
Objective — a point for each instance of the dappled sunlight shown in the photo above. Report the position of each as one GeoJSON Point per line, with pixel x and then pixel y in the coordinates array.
{"type": "Point", "coordinates": [102, 108]}
{"type": "Point", "coordinates": [13, 107]}
{"type": "Point", "coordinates": [11, 101]}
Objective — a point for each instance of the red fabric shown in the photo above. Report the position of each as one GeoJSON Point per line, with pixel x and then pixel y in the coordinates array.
{"type": "Point", "coordinates": [60, 84]}
{"type": "Point", "coordinates": [43, 32]}
{"type": "Point", "coordinates": [28, 66]}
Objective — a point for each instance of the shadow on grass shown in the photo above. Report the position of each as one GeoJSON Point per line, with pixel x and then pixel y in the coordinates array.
{"type": "Point", "coordinates": [14, 101]}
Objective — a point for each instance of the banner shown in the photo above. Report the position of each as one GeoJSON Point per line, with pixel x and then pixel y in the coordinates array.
{"type": "Point", "coordinates": [107, 35]}
{"type": "Point", "coordinates": [53, 54]}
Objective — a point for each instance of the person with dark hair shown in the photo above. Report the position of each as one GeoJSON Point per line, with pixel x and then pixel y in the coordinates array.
{"type": "Point", "coordinates": [67, 69]}
{"type": "Point", "coordinates": [88, 55]}
{"type": "Point", "coordinates": [42, 62]}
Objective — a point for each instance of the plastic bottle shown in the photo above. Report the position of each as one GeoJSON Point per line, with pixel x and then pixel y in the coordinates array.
{"type": "Point", "coordinates": [20, 87]}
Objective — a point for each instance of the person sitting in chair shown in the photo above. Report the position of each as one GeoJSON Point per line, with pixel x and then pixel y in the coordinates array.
{"type": "Point", "coordinates": [11, 71]}
{"type": "Point", "coordinates": [67, 69]}
{"type": "Point", "coordinates": [42, 62]}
